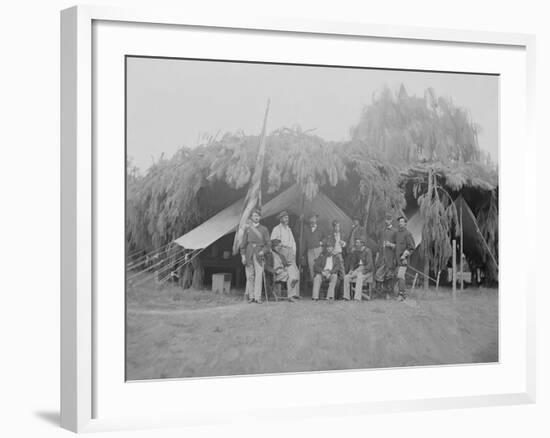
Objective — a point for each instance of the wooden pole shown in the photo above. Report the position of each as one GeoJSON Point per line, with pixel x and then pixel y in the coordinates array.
{"type": "Point", "coordinates": [426, 252]}
{"type": "Point", "coordinates": [254, 194]}
{"type": "Point", "coordinates": [454, 269]}
{"type": "Point", "coordinates": [461, 250]}
{"type": "Point", "coordinates": [426, 273]}
{"type": "Point", "coordinates": [301, 238]}
{"type": "Point", "coordinates": [367, 208]}
{"type": "Point", "coordinates": [414, 283]}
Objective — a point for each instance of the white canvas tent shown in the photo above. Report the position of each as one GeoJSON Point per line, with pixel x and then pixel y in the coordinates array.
{"type": "Point", "coordinates": [474, 246]}
{"type": "Point", "coordinates": [472, 235]}
{"type": "Point", "coordinates": [291, 199]}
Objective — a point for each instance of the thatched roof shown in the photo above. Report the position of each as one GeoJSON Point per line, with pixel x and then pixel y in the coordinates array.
{"type": "Point", "coordinates": [455, 176]}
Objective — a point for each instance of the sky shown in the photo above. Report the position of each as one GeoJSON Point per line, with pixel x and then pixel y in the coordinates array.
{"type": "Point", "coordinates": [174, 102]}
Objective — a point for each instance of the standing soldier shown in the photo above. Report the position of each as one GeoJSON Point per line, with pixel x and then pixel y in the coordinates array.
{"type": "Point", "coordinates": [283, 233]}
{"type": "Point", "coordinates": [357, 232]}
{"type": "Point", "coordinates": [386, 269]}
{"type": "Point", "coordinates": [313, 238]}
{"type": "Point", "coordinates": [404, 247]}
{"type": "Point", "coordinates": [255, 244]}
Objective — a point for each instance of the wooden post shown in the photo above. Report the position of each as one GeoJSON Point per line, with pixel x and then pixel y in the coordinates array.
{"type": "Point", "coordinates": [426, 273]}
{"type": "Point", "coordinates": [254, 194]}
{"type": "Point", "coordinates": [300, 245]}
{"type": "Point", "coordinates": [437, 283]}
{"type": "Point", "coordinates": [157, 279]}
{"type": "Point", "coordinates": [454, 269]}
{"type": "Point", "coordinates": [461, 250]}
{"type": "Point", "coordinates": [301, 230]}
{"type": "Point", "coordinates": [414, 283]}
{"type": "Point", "coordinates": [426, 252]}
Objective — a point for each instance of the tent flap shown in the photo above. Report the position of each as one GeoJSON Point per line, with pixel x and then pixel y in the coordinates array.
{"type": "Point", "coordinates": [211, 230]}
{"type": "Point", "coordinates": [227, 220]}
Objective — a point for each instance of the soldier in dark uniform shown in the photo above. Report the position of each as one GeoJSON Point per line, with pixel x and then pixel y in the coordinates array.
{"type": "Point", "coordinates": [360, 270]}
{"type": "Point", "coordinates": [385, 272]}
{"type": "Point", "coordinates": [357, 232]}
{"type": "Point", "coordinates": [312, 243]}
{"type": "Point", "coordinates": [404, 247]}
{"type": "Point", "coordinates": [255, 244]}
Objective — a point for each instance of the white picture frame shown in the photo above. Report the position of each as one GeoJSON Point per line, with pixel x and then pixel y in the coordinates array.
{"type": "Point", "coordinates": [79, 168]}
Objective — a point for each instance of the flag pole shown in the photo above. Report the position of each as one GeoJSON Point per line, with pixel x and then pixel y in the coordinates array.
{"type": "Point", "coordinates": [253, 196]}
{"type": "Point", "coordinates": [302, 208]}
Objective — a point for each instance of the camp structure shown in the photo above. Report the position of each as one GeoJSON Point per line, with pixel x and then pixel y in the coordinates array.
{"type": "Point", "coordinates": [388, 166]}
{"type": "Point", "coordinates": [475, 248]}
{"type": "Point", "coordinates": [214, 236]}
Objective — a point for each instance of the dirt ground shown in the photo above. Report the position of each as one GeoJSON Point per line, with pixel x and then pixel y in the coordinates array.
{"type": "Point", "coordinates": [173, 333]}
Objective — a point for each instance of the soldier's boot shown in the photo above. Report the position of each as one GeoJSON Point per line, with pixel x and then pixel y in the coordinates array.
{"type": "Point", "coordinates": [387, 288]}
{"type": "Point", "coordinates": [379, 289]}
{"type": "Point", "coordinates": [390, 291]}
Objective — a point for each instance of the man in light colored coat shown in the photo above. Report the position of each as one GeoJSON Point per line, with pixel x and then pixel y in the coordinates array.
{"type": "Point", "coordinates": [287, 247]}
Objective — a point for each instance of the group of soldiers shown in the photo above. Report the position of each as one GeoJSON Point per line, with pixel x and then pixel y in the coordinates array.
{"type": "Point", "coordinates": [330, 256]}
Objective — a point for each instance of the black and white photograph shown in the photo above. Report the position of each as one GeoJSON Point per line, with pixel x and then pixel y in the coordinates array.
{"type": "Point", "coordinates": [285, 218]}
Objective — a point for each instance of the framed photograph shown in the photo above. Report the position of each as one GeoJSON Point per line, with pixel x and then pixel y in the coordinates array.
{"type": "Point", "coordinates": [323, 218]}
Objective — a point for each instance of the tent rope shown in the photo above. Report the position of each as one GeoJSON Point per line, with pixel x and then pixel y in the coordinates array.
{"type": "Point", "coordinates": [152, 266]}
{"type": "Point", "coordinates": [172, 265]}
{"type": "Point", "coordinates": [474, 221]}
{"type": "Point", "coordinates": [185, 264]}
{"type": "Point", "coordinates": [134, 253]}
{"type": "Point", "coordinates": [422, 273]}
{"type": "Point", "coordinates": [486, 245]}
{"type": "Point", "coordinates": [143, 258]}
{"type": "Point", "coordinates": [148, 269]}
{"type": "Point", "coordinates": [153, 250]}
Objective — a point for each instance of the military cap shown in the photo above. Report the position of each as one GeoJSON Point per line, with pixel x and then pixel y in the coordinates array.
{"type": "Point", "coordinates": [282, 214]}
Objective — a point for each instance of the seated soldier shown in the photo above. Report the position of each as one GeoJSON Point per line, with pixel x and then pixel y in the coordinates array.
{"type": "Point", "coordinates": [326, 268]}
{"type": "Point", "coordinates": [282, 270]}
{"type": "Point", "coordinates": [360, 271]}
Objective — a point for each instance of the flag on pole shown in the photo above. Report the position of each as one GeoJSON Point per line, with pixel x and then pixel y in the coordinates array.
{"type": "Point", "coordinates": [254, 195]}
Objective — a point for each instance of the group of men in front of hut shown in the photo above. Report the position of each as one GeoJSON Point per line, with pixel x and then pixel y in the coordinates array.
{"type": "Point", "coordinates": [324, 252]}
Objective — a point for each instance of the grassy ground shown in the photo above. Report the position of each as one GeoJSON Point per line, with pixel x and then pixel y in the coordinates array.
{"type": "Point", "coordinates": [173, 333]}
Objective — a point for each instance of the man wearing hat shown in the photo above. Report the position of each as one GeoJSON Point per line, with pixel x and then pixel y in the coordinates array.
{"type": "Point", "coordinates": [387, 262]}
{"type": "Point", "coordinates": [360, 271]}
{"type": "Point", "coordinates": [327, 266]}
{"type": "Point", "coordinates": [255, 244]}
{"type": "Point", "coordinates": [338, 244]}
{"type": "Point", "coordinates": [357, 231]}
{"type": "Point", "coordinates": [283, 233]}
{"type": "Point", "coordinates": [312, 247]}
{"type": "Point", "coordinates": [404, 247]}
{"type": "Point", "coordinates": [281, 269]}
